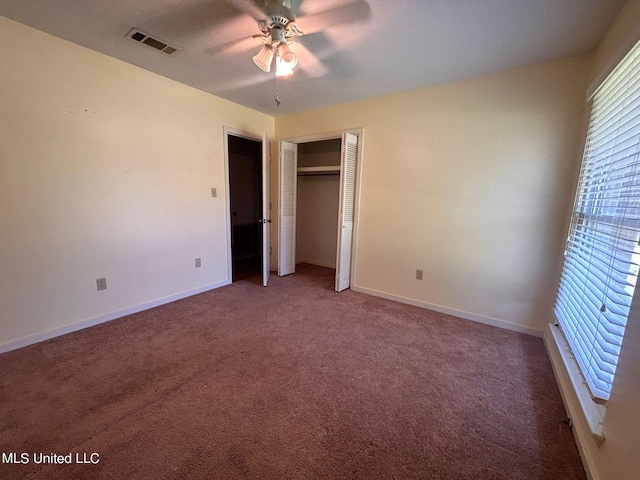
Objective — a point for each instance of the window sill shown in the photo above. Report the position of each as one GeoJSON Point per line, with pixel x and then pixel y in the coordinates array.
{"type": "Point", "coordinates": [572, 385]}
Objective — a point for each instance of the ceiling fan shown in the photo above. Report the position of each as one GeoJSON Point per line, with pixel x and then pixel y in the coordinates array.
{"type": "Point", "coordinates": [276, 30]}
{"type": "Point", "coordinates": [278, 25]}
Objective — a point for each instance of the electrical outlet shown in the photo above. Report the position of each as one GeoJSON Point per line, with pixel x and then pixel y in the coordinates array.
{"type": "Point", "coordinates": [214, 192]}
{"type": "Point", "coordinates": [101, 283]}
{"type": "Point", "coordinates": [418, 274]}
{"type": "Point", "coordinates": [198, 263]}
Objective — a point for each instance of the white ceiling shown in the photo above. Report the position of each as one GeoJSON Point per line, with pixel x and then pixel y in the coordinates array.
{"type": "Point", "coordinates": [375, 47]}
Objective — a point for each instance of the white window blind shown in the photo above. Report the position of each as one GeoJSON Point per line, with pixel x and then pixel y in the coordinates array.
{"type": "Point", "coordinates": [602, 253]}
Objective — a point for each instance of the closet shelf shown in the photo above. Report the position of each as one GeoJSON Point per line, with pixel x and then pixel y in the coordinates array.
{"type": "Point", "coordinates": [325, 170]}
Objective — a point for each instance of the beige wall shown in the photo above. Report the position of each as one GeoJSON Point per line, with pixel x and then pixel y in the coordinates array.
{"type": "Point", "coordinates": [106, 172]}
{"type": "Point", "coordinates": [470, 182]}
{"type": "Point", "coordinates": [619, 456]}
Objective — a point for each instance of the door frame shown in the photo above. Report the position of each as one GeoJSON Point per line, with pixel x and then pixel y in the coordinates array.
{"type": "Point", "coordinates": [358, 132]}
{"type": "Point", "coordinates": [249, 136]}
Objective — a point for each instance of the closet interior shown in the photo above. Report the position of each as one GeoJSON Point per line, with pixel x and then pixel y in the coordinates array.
{"type": "Point", "coordinates": [318, 202]}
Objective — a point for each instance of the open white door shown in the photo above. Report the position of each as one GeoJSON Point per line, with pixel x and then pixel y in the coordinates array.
{"type": "Point", "coordinates": [266, 211]}
{"type": "Point", "coordinates": [287, 219]}
{"type": "Point", "coordinates": [347, 208]}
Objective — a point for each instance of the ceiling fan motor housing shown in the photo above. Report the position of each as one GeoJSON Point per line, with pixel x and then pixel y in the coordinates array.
{"type": "Point", "coordinates": [279, 11]}
{"type": "Point", "coordinates": [277, 34]}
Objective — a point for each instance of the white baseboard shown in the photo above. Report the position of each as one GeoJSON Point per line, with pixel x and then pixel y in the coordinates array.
{"type": "Point", "coordinates": [56, 332]}
{"type": "Point", "coordinates": [449, 311]}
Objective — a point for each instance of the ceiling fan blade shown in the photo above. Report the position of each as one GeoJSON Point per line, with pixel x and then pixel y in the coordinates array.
{"type": "Point", "coordinates": [249, 7]}
{"type": "Point", "coordinates": [239, 45]}
{"type": "Point", "coordinates": [199, 20]}
{"type": "Point", "coordinates": [357, 11]}
{"type": "Point", "coordinates": [308, 62]}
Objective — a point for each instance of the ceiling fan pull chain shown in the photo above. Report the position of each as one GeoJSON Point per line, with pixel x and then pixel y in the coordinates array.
{"type": "Point", "coordinates": [277, 92]}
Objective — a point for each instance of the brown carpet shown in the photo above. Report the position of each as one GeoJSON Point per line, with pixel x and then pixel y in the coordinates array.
{"type": "Point", "coordinates": [292, 381]}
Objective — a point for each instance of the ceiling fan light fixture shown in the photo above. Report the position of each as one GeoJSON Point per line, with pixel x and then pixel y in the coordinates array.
{"type": "Point", "coordinates": [287, 56]}
{"type": "Point", "coordinates": [286, 60]}
{"type": "Point", "coordinates": [283, 69]}
{"type": "Point", "coordinates": [264, 58]}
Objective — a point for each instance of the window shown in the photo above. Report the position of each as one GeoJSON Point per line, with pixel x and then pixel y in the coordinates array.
{"type": "Point", "coordinates": [603, 252]}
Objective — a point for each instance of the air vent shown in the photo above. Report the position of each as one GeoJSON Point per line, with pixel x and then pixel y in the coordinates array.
{"type": "Point", "coordinates": [141, 37]}
{"type": "Point", "coordinates": [138, 36]}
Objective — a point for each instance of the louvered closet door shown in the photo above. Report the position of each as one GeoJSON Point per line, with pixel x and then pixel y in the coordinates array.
{"type": "Point", "coordinates": [347, 209]}
{"type": "Point", "coordinates": [287, 223]}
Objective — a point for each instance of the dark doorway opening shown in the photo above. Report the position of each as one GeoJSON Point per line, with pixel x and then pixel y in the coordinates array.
{"type": "Point", "coordinates": [245, 192]}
